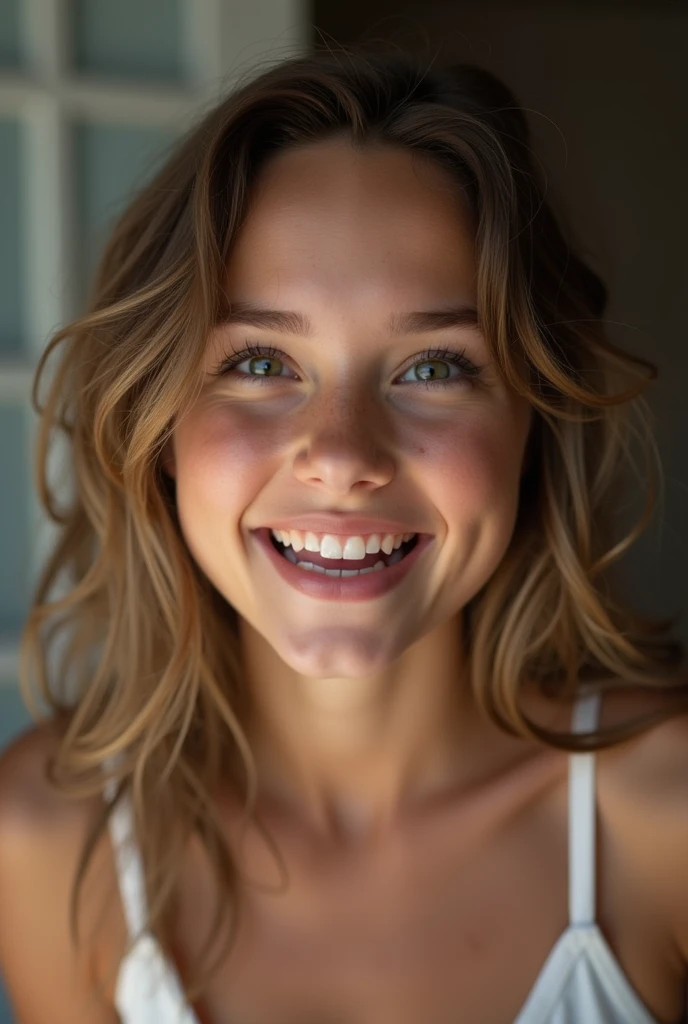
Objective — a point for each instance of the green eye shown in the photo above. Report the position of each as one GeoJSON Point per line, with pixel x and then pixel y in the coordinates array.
{"type": "Point", "coordinates": [470, 372]}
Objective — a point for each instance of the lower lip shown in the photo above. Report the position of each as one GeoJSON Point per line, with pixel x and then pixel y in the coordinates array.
{"type": "Point", "coordinates": [337, 588]}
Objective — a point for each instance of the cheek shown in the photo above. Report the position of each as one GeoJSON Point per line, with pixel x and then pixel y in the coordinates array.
{"type": "Point", "coordinates": [473, 471]}
{"type": "Point", "coordinates": [472, 478]}
{"type": "Point", "coordinates": [221, 461]}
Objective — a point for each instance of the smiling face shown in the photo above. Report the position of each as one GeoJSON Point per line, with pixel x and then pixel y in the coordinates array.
{"type": "Point", "coordinates": [353, 417]}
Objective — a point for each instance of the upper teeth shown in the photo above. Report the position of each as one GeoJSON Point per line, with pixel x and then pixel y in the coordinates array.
{"type": "Point", "coordinates": [332, 546]}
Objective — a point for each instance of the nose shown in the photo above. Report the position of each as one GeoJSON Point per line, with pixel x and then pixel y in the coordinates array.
{"type": "Point", "coordinates": [344, 446]}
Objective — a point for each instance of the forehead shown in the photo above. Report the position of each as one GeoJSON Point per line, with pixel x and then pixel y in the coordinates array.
{"type": "Point", "coordinates": [330, 219]}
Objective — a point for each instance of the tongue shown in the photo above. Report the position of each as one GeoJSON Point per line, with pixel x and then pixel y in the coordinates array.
{"type": "Point", "coordinates": [341, 563]}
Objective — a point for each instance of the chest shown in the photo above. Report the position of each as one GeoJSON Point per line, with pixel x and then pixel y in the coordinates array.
{"type": "Point", "coordinates": [457, 926]}
{"type": "Point", "coordinates": [401, 954]}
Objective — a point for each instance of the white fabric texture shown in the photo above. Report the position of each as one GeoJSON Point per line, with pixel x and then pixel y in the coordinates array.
{"type": "Point", "coordinates": [581, 982]}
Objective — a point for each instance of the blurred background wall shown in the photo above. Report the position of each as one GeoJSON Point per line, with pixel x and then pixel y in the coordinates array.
{"type": "Point", "coordinates": [93, 91]}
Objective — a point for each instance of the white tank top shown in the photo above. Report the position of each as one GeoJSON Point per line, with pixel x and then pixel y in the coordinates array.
{"type": "Point", "coordinates": [581, 982]}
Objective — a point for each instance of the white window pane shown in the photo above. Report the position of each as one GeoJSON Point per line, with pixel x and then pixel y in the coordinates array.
{"type": "Point", "coordinates": [10, 36]}
{"type": "Point", "coordinates": [15, 567]}
{"type": "Point", "coordinates": [13, 719]}
{"type": "Point", "coordinates": [128, 39]}
{"type": "Point", "coordinates": [111, 163]}
{"type": "Point", "coordinates": [11, 247]}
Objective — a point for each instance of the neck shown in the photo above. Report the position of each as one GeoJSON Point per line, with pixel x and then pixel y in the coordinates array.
{"type": "Point", "coordinates": [351, 758]}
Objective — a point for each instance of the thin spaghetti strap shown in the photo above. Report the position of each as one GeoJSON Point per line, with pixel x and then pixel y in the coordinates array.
{"type": "Point", "coordinates": [582, 812]}
{"type": "Point", "coordinates": [128, 862]}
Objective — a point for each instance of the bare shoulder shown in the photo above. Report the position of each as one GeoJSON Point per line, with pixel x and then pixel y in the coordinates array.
{"type": "Point", "coordinates": [651, 767]}
{"type": "Point", "coordinates": [26, 796]}
{"type": "Point", "coordinates": [42, 836]}
{"type": "Point", "coordinates": [644, 782]}
{"type": "Point", "coordinates": [36, 820]}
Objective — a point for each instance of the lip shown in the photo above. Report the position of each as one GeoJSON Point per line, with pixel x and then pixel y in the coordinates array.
{"type": "Point", "coordinates": [333, 588]}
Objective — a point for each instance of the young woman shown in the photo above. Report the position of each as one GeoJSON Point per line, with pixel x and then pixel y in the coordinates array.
{"type": "Point", "coordinates": [350, 725]}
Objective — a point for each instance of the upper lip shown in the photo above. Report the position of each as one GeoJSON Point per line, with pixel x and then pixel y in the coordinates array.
{"type": "Point", "coordinates": [343, 525]}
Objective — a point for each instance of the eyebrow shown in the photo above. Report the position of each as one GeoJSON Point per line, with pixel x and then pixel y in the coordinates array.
{"type": "Point", "coordinates": [290, 322]}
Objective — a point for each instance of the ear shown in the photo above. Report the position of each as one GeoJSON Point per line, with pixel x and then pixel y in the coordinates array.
{"type": "Point", "coordinates": [167, 460]}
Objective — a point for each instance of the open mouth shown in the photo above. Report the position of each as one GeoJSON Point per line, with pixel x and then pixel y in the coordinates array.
{"type": "Point", "coordinates": [313, 561]}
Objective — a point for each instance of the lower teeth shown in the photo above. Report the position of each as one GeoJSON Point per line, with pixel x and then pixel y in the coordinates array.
{"type": "Point", "coordinates": [395, 557]}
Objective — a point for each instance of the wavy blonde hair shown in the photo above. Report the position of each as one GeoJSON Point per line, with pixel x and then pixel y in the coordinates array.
{"type": "Point", "coordinates": [150, 668]}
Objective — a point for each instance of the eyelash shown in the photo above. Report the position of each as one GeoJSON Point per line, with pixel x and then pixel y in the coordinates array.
{"type": "Point", "coordinates": [471, 372]}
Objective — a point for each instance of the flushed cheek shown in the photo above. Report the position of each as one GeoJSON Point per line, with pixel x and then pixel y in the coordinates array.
{"type": "Point", "coordinates": [472, 482]}
{"type": "Point", "coordinates": [218, 474]}
{"type": "Point", "coordinates": [471, 471]}
{"type": "Point", "coordinates": [221, 463]}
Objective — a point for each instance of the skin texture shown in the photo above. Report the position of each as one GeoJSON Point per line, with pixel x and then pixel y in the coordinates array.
{"type": "Point", "coordinates": [358, 709]}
